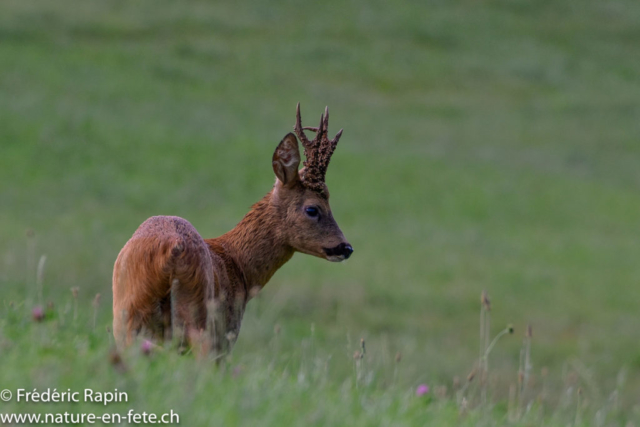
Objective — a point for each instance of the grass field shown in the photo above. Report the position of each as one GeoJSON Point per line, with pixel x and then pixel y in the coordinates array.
{"type": "Point", "coordinates": [487, 145]}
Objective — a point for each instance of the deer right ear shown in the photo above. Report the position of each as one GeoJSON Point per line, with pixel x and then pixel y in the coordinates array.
{"type": "Point", "coordinates": [286, 160]}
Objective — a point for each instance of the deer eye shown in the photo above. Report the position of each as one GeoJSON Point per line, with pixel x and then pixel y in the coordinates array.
{"type": "Point", "coordinates": [312, 211]}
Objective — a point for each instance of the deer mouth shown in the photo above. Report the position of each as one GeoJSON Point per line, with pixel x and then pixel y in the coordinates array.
{"type": "Point", "coordinates": [338, 253]}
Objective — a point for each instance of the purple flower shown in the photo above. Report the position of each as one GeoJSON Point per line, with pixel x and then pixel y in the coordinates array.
{"type": "Point", "coordinates": [422, 390]}
{"type": "Point", "coordinates": [37, 313]}
{"type": "Point", "coordinates": [146, 347]}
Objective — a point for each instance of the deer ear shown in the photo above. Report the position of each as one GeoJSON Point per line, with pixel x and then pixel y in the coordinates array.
{"type": "Point", "coordinates": [286, 160]}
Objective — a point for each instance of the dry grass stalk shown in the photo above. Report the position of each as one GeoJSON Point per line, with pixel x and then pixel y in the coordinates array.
{"type": "Point", "coordinates": [40, 277]}
{"type": "Point", "coordinates": [31, 255]}
{"type": "Point", "coordinates": [96, 305]}
{"type": "Point", "coordinates": [74, 292]}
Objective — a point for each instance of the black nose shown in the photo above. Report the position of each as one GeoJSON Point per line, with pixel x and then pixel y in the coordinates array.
{"type": "Point", "coordinates": [343, 249]}
{"type": "Point", "coordinates": [347, 250]}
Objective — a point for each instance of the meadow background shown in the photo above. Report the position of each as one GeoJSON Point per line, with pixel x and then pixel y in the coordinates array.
{"type": "Point", "coordinates": [487, 145]}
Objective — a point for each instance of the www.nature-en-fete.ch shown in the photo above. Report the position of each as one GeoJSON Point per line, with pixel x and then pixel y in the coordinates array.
{"type": "Point", "coordinates": [66, 418]}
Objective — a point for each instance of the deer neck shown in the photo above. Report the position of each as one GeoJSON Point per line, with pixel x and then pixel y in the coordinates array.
{"type": "Point", "coordinates": [256, 246]}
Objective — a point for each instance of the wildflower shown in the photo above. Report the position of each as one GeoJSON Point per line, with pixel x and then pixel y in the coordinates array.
{"type": "Point", "coordinates": [146, 347]}
{"type": "Point", "coordinates": [37, 313]}
{"type": "Point", "coordinates": [422, 390]}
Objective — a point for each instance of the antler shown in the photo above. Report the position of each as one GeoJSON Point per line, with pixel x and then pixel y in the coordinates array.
{"type": "Point", "coordinates": [317, 151]}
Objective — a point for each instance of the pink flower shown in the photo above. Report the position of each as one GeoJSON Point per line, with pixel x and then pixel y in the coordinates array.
{"type": "Point", "coordinates": [37, 313]}
{"type": "Point", "coordinates": [422, 390]}
{"type": "Point", "coordinates": [146, 347]}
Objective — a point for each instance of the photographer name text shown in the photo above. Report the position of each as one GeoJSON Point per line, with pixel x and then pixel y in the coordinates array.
{"type": "Point", "coordinates": [56, 396]}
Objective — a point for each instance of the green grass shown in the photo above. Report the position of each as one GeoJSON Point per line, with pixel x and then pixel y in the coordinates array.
{"type": "Point", "coordinates": [488, 145]}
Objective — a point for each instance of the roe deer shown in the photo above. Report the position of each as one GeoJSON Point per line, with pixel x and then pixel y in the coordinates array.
{"type": "Point", "coordinates": [168, 279]}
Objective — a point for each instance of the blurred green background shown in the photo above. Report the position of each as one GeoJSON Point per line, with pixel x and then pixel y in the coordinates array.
{"type": "Point", "coordinates": [487, 145]}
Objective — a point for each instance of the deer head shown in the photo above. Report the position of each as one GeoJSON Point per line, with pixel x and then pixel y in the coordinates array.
{"type": "Point", "coordinates": [302, 196]}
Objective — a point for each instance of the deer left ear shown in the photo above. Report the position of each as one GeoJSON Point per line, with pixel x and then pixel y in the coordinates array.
{"type": "Point", "coordinates": [286, 160]}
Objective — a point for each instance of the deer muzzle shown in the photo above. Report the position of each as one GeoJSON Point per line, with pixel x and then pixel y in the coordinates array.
{"type": "Point", "coordinates": [339, 253]}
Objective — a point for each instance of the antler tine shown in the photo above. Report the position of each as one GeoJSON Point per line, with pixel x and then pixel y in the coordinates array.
{"type": "Point", "coordinates": [322, 129]}
{"type": "Point", "coordinates": [326, 119]}
{"type": "Point", "coordinates": [335, 140]}
{"type": "Point", "coordinates": [298, 129]}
